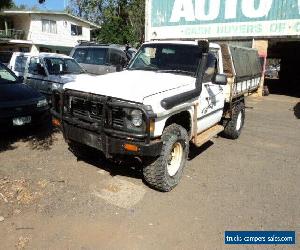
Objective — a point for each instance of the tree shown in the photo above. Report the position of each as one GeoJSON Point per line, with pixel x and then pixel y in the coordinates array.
{"type": "Point", "coordinates": [122, 21]}
{"type": "Point", "coordinates": [137, 19]}
{"type": "Point", "coordinates": [87, 9]}
{"type": "Point", "coordinates": [6, 4]}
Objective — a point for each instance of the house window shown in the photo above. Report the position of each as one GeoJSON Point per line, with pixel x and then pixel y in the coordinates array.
{"type": "Point", "coordinates": [49, 26]}
{"type": "Point", "coordinates": [76, 30]}
{"type": "Point", "coordinates": [24, 49]}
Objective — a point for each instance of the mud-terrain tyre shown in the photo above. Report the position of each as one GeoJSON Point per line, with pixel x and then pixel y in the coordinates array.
{"type": "Point", "coordinates": [234, 126]}
{"type": "Point", "coordinates": [164, 172]}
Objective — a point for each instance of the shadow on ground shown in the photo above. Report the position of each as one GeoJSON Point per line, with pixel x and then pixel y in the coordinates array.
{"type": "Point", "coordinates": [130, 167]}
{"type": "Point", "coordinates": [38, 138]}
{"type": "Point", "coordinates": [297, 110]}
{"type": "Point", "coordinates": [126, 167]}
{"type": "Point", "coordinates": [195, 151]}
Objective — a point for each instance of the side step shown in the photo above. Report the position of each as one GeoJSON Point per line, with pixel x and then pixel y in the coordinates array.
{"type": "Point", "coordinates": [205, 136]}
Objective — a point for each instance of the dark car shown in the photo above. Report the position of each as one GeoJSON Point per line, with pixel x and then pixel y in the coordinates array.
{"type": "Point", "coordinates": [100, 59]}
{"type": "Point", "coordinates": [20, 104]}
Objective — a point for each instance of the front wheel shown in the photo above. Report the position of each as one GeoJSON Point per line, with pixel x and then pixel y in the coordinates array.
{"type": "Point", "coordinates": [165, 172]}
{"type": "Point", "coordinates": [234, 126]}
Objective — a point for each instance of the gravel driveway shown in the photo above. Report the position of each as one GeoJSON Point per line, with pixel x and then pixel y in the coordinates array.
{"type": "Point", "coordinates": [49, 199]}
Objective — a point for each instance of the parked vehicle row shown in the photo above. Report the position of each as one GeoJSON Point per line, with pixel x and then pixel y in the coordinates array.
{"type": "Point", "coordinates": [49, 71]}
{"type": "Point", "coordinates": [184, 91]}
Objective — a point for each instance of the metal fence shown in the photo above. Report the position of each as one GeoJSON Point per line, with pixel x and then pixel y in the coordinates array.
{"type": "Point", "coordinates": [12, 34]}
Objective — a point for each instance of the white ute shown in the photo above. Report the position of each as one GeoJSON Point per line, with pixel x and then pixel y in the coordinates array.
{"type": "Point", "coordinates": [46, 72]}
{"type": "Point", "coordinates": [172, 93]}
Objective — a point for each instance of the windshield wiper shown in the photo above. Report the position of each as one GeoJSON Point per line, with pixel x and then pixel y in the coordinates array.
{"type": "Point", "coordinates": [178, 71]}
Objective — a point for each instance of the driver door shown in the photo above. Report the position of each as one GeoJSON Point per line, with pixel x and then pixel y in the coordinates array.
{"type": "Point", "coordinates": [211, 100]}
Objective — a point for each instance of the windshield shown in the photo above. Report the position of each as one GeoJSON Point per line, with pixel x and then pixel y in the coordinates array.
{"type": "Point", "coordinates": [95, 56]}
{"type": "Point", "coordinates": [168, 58]}
{"type": "Point", "coordinates": [62, 66]}
{"type": "Point", "coordinates": [6, 76]}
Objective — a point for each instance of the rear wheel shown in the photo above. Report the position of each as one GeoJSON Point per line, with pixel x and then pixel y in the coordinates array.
{"type": "Point", "coordinates": [234, 126]}
{"type": "Point", "coordinates": [165, 172]}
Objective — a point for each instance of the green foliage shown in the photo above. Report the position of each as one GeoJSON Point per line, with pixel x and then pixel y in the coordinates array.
{"type": "Point", "coordinates": [6, 4]}
{"type": "Point", "coordinates": [88, 9]}
{"type": "Point", "coordinates": [122, 21]}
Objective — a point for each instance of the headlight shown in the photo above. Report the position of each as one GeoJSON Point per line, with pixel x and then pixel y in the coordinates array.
{"type": "Point", "coordinates": [56, 86]}
{"type": "Point", "coordinates": [42, 103]}
{"type": "Point", "coordinates": [136, 117]}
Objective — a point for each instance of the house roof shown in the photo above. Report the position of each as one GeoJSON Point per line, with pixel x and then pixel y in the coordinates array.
{"type": "Point", "coordinates": [22, 12]}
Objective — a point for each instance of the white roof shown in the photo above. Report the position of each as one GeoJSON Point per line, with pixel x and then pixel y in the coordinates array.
{"type": "Point", "coordinates": [42, 55]}
{"type": "Point", "coordinates": [22, 12]}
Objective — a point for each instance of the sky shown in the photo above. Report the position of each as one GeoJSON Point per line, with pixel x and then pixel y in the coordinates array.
{"type": "Point", "coordinates": [48, 5]}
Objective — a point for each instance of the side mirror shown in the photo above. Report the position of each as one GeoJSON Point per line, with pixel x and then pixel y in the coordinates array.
{"type": "Point", "coordinates": [21, 79]}
{"type": "Point", "coordinates": [41, 70]}
{"type": "Point", "coordinates": [220, 79]}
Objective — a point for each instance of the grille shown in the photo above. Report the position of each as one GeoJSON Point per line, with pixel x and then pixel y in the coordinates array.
{"type": "Point", "coordinates": [83, 109]}
{"type": "Point", "coordinates": [118, 116]}
{"type": "Point", "coordinates": [92, 112]}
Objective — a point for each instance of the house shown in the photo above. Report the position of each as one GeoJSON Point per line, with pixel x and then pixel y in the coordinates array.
{"type": "Point", "coordinates": [40, 31]}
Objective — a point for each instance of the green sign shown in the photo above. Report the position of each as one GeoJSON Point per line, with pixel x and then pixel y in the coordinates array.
{"type": "Point", "coordinates": [216, 18]}
{"type": "Point", "coordinates": [187, 12]}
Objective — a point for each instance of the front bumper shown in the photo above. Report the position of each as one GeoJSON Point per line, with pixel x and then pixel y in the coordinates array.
{"type": "Point", "coordinates": [108, 144]}
{"type": "Point", "coordinates": [98, 131]}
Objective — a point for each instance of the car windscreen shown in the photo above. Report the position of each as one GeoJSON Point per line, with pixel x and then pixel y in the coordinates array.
{"type": "Point", "coordinates": [5, 57]}
{"type": "Point", "coordinates": [6, 76]}
{"type": "Point", "coordinates": [168, 58]}
{"type": "Point", "coordinates": [62, 66]}
{"type": "Point", "coordinates": [96, 56]}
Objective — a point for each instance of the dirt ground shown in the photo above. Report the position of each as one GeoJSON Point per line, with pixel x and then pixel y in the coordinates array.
{"type": "Point", "coordinates": [49, 199]}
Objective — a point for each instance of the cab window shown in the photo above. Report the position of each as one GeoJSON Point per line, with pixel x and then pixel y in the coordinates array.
{"type": "Point", "coordinates": [211, 67]}
{"type": "Point", "coordinates": [95, 56]}
{"type": "Point", "coordinates": [33, 66]}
